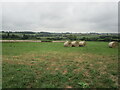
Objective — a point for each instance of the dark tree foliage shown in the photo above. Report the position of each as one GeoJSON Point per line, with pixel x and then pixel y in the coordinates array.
{"type": "Point", "coordinates": [72, 37]}
{"type": "Point", "coordinates": [25, 37]}
{"type": "Point", "coordinates": [47, 36]}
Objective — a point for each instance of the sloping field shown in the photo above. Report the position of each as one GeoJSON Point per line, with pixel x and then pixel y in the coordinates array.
{"type": "Point", "coordinates": [50, 65]}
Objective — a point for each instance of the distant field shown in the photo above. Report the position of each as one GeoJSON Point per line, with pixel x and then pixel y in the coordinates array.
{"type": "Point", "coordinates": [50, 65]}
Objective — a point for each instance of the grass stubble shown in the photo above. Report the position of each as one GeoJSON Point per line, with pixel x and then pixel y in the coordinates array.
{"type": "Point", "coordinates": [50, 65]}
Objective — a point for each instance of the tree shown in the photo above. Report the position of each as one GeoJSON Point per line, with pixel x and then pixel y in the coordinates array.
{"type": "Point", "coordinates": [72, 37]}
{"type": "Point", "coordinates": [83, 38]}
{"type": "Point", "coordinates": [25, 36]}
{"type": "Point", "coordinates": [8, 34]}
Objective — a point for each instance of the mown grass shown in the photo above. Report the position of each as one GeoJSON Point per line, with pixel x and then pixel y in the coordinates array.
{"type": "Point", "coordinates": [50, 65]}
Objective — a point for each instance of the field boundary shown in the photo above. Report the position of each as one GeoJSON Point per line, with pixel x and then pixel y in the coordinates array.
{"type": "Point", "coordinates": [26, 41]}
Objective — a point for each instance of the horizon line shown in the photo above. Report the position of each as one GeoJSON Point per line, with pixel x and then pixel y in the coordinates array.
{"type": "Point", "coordinates": [57, 32]}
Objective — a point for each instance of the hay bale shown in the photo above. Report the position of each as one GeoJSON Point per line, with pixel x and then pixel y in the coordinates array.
{"type": "Point", "coordinates": [113, 44]}
{"type": "Point", "coordinates": [82, 43]}
{"type": "Point", "coordinates": [75, 44]}
{"type": "Point", "coordinates": [67, 44]}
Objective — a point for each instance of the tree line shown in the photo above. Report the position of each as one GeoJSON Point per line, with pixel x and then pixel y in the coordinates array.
{"type": "Point", "coordinates": [46, 36]}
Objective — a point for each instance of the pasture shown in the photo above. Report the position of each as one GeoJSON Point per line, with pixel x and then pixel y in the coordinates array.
{"type": "Point", "coordinates": [51, 65]}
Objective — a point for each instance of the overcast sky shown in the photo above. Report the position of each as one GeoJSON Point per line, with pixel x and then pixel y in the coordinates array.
{"type": "Point", "coordinates": [60, 16]}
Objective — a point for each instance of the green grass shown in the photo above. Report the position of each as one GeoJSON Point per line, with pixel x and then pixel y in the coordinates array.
{"type": "Point", "coordinates": [50, 65]}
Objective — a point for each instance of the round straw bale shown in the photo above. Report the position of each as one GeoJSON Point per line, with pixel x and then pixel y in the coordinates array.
{"type": "Point", "coordinates": [82, 43]}
{"type": "Point", "coordinates": [113, 44]}
{"type": "Point", "coordinates": [67, 44]}
{"type": "Point", "coordinates": [75, 44]}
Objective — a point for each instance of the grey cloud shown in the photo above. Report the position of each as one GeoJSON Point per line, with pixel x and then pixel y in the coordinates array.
{"type": "Point", "coordinates": [60, 17]}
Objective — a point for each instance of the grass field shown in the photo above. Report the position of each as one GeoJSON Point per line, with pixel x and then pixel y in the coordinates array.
{"type": "Point", "coordinates": [50, 65]}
